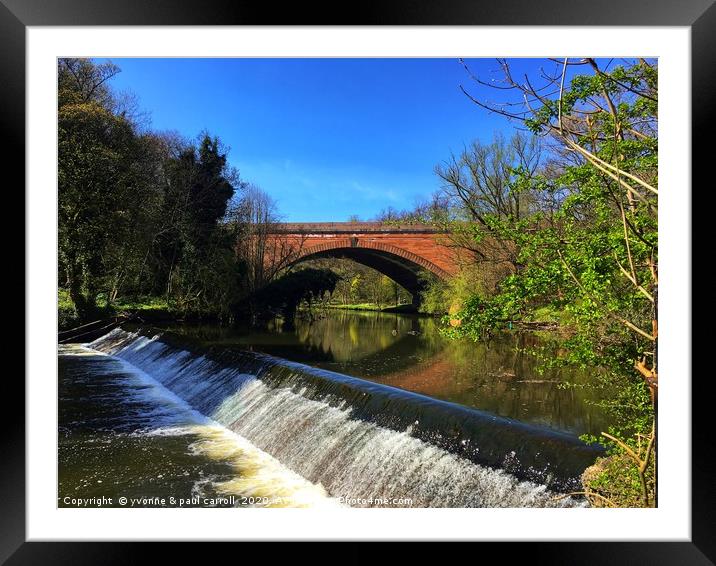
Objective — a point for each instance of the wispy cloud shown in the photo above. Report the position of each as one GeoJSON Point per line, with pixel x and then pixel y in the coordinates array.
{"type": "Point", "coordinates": [329, 193]}
{"type": "Point", "coordinates": [374, 193]}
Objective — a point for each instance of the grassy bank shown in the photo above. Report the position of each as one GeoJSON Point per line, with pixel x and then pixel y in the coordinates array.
{"type": "Point", "coordinates": [148, 308]}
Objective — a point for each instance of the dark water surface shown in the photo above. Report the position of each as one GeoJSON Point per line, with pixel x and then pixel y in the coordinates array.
{"type": "Point", "coordinates": [409, 352]}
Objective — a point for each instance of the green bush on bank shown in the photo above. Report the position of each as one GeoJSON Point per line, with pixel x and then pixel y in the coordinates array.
{"type": "Point", "coordinates": [356, 307]}
{"type": "Point", "coordinates": [373, 307]}
{"type": "Point", "coordinates": [443, 296]}
{"type": "Point", "coordinates": [614, 482]}
{"type": "Point", "coordinates": [67, 316]}
{"type": "Point", "coordinates": [142, 304]}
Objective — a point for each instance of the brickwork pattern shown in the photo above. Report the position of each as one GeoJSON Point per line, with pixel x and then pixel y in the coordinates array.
{"type": "Point", "coordinates": [421, 245]}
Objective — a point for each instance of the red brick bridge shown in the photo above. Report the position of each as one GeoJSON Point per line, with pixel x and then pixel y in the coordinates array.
{"type": "Point", "coordinates": [403, 252]}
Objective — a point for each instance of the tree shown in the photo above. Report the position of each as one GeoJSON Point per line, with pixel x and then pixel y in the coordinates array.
{"type": "Point", "coordinates": [608, 121]}
{"type": "Point", "coordinates": [210, 190]}
{"type": "Point", "coordinates": [359, 283]}
{"type": "Point", "coordinates": [139, 211]}
{"type": "Point", "coordinates": [264, 253]}
{"type": "Point", "coordinates": [81, 81]}
{"type": "Point", "coordinates": [200, 247]}
{"type": "Point", "coordinates": [480, 187]}
{"type": "Point", "coordinates": [128, 254]}
{"type": "Point", "coordinates": [98, 181]}
{"type": "Point", "coordinates": [480, 181]}
{"type": "Point", "coordinates": [597, 255]}
{"type": "Point", "coordinates": [434, 210]}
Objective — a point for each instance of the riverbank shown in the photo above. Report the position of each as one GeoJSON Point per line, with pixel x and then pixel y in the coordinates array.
{"type": "Point", "coordinates": [151, 309]}
{"type": "Point", "coordinates": [375, 308]}
{"type": "Point", "coordinates": [147, 309]}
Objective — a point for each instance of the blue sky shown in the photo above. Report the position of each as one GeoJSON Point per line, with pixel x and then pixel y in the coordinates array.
{"type": "Point", "coordinates": [326, 138]}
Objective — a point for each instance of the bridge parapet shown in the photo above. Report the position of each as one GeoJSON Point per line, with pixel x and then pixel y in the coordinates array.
{"type": "Point", "coordinates": [351, 228]}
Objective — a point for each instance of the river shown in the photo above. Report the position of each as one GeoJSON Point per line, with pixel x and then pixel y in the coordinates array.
{"type": "Point", "coordinates": [191, 415]}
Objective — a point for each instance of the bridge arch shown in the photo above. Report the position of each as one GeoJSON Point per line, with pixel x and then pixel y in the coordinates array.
{"type": "Point", "coordinates": [387, 249]}
{"type": "Point", "coordinates": [403, 252]}
{"type": "Point", "coordinates": [406, 268]}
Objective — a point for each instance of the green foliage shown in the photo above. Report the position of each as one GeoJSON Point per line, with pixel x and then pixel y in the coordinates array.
{"type": "Point", "coordinates": [97, 193]}
{"type": "Point", "coordinates": [66, 312]}
{"type": "Point", "coordinates": [441, 296]}
{"type": "Point", "coordinates": [140, 213]}
{"type": "Point", "coordinates": [357, 307]}
{"type": "Point", "coordinates": [359, 284]}
{"type": "Point", "coordinates": [615, 482]}
{"type": "Point", "coordinates": [436, 297]}
{"type": "Point", "coordinates": [590, 252]}
{"type": "Point", "coordinates": [142, 304]}
{"type": "Point", "coordinates": [549, 313]}
{"type": "Point", "coordinates": [197, 258]}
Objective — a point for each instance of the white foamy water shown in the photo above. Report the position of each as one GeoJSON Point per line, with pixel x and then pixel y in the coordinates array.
{"type": "Point", "coordinates": [327, 445]}
{"type": "Point", "coordinates": [258, 477]}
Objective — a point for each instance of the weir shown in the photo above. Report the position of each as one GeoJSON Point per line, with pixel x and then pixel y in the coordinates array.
{"type": "Point", "coordinates": [361, 439]}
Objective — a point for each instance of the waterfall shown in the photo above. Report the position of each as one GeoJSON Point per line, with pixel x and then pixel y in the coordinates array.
{"type": "Point", "coordinates": [137, 411]}
{"type": "Point", "coordinates": [366, 444]}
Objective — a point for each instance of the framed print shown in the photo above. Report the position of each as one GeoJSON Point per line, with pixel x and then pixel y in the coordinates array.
{"type": "Point", "coordinates": [400, 278]}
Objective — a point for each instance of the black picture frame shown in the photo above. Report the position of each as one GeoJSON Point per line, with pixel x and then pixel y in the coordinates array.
{"type": "Point", "coordinates": [698, 15]}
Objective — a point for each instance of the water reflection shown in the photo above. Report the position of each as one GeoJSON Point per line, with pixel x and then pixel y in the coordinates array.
{"type": "Point", "coordinates": [409, 352]}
